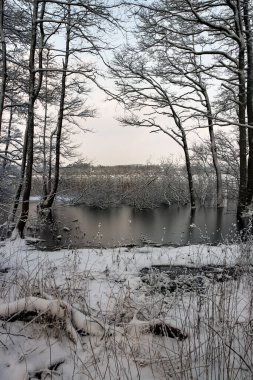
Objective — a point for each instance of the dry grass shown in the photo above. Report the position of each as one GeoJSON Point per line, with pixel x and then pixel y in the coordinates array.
{"type": "Point", "coordinates": [218, 320]}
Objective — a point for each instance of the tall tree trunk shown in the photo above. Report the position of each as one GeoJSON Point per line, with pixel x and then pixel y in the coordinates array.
{"type": "Point", "coordinates": [21, 180]}
{"type": "Point", "coordinates": [28, 150]}
{"type": "Point", "coordinates": [186, 154]}
{"type": "Point", "coordinates": [48, 202]}
{"type": "Point", "coordinates": [8, 139]}
{"type": "Point", "coordinates": [242, 135]}
{"type": "Point", "coordinates": [189, 170]}
{"type": "Point", "coordinates": [44, 177]}
{"type": "Point", "coordinates": [49, 178]}
{"type": "Point", "coordinates": [214, 151]}
{"type": "Point", "coordinates": [4, 63]}
{"type": "Point", "coordinates": [45, 187]}
{"type": "Point", "coordinates": [238, 17]}
{"type": "Point", "coordinates": [249, 44]}
{"type": "Point", "coordinates": [203, 89]}
{"type": "Point", "coordinates": [216, 165]}
{"type": "Point", "coordinates": [27, 159]}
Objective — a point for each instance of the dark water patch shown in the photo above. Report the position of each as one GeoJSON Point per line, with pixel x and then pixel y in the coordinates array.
{"type": "Point", "coordinates": [82, 226]}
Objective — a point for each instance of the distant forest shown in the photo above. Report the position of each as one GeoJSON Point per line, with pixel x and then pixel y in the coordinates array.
{"type": "Point", "coordinates": [140, 186]}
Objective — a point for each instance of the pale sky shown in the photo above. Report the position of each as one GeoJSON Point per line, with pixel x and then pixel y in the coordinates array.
{"type": "Point", "coordinates": [112, 144]}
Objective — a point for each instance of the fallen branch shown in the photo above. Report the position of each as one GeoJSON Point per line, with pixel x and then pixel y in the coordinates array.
{"type": "Point", "coordinates": [75, 322]}
{"type": "Point", "coordinates": [73, 319]}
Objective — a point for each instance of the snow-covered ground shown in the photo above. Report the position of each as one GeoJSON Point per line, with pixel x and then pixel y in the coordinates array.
{"type": "Point", "coordinates": [106, 286]}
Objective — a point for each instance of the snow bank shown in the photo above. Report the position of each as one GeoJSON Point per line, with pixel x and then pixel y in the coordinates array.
{"type": "Point", "coordinates": [103, 288]}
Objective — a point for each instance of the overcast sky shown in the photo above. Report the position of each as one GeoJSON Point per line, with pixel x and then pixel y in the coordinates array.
{"type": "Point", "coordinates": [112, 144]}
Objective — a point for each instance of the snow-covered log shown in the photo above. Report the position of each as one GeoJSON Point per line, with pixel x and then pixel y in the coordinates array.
{"type": "Point", "coordinates": [53, 308]}
{"type": "Point", "coordinates": [60, 310]}
{"type": "Point", "coordinates": [75, 321]}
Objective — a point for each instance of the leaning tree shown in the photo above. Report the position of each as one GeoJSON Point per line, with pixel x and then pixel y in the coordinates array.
{"type": "Point", "coordinates": [149, 102]}
{"type": "Point", "coordinates": [222, 34]}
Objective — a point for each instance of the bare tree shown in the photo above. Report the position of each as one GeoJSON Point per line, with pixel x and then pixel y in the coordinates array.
{"type": "Point", "coordinates": [247, 12]}
{"type": "Point", "coordinates": [141, 89]}
{"type": "Point", "coordinates": [29, 134]}
{"type": "Point", "coordinates": [84, 25]}
{"type": "Point", "coordinates": [193, 95]}
{"type": "Point", "coordinates": [4, 62]}
{"type": "Point", "coordinates": [222, 34]}
{"type": "Point", "coordinates": [50, 198]}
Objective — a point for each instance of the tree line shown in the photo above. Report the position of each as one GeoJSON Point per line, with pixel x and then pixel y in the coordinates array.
{"type": "Point", "coordinates": [144, 186]}
{"type": "Point", "coordinates": [186, 67]}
